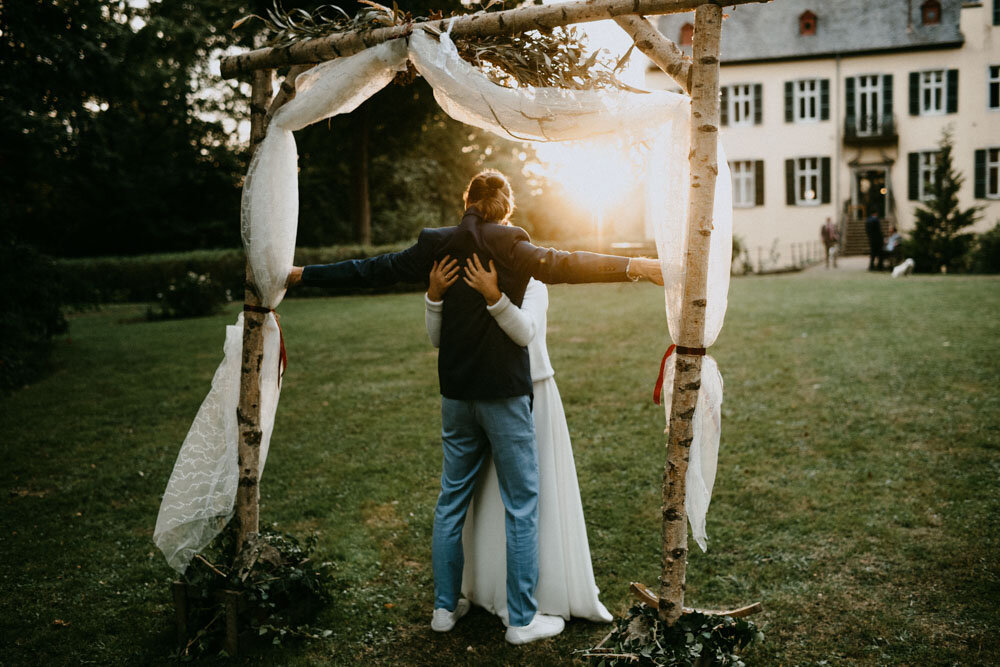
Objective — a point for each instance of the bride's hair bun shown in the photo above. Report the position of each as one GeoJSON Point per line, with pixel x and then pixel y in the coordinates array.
{"type": "Point", "coordinates": [489, 191]}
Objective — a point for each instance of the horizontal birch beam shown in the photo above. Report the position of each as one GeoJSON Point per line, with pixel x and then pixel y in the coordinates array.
{"type": "Point", "coordinates": [508, 21]}
{"type": "Point", "coordinates": [664, 53]}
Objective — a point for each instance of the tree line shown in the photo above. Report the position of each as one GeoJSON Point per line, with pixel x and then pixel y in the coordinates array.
{"type": "Point", "coordinates": [116, 139]}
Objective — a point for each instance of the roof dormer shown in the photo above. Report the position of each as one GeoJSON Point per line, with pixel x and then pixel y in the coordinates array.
{"type": "Point", "coordinates": [807, 23]}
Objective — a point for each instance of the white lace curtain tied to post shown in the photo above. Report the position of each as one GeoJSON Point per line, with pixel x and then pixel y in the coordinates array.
{"type": "Point", "coordinates": [201, 494]}
{"type": "Point", "coordinates": [199, 498]}
{"type": "Point", "coordinates": [196, 511]}
{"type": "Point", "coordinates": [671, 244]}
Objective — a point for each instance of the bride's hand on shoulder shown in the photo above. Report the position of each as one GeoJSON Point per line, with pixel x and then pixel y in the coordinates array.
{"type": "Point", "coordinates": [481, 279]}
{"type": "Point", "coordinates": [444, 273]}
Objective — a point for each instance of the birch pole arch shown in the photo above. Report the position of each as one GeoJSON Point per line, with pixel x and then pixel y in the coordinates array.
{"type": "Point", "coordinates": [253, 360]}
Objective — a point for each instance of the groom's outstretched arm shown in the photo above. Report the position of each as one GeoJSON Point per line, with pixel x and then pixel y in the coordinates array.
{"type": "Point", "coordinates": [557, 266]}
{"type": "Point", "coordinates": [407, 266]}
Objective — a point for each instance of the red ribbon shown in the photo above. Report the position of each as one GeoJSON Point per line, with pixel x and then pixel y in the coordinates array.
{"type": "Point", "coordinates": [659, 380]}
{"type": "Point", "coordinates": [283, 356]}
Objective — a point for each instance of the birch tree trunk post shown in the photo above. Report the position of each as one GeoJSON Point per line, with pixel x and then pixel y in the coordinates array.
{"type": "Point", "coordinates": [506, 22]}
{"type": "Point", "coordinates": [247, 511]}
{"type": "Point", "coordinates": [687, 368]}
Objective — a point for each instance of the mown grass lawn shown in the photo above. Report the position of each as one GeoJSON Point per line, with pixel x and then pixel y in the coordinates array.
{"type": "Point", "coordinates": [857, 497]}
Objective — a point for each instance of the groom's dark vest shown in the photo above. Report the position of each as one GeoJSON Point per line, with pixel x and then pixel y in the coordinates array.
{"type": "Point", "coordinates": [477, 359]}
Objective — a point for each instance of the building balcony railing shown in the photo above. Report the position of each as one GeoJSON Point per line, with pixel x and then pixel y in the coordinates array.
{"type": "Point", "coordinates": [870, 130]}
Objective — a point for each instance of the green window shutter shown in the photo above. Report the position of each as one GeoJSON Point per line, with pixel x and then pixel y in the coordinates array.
{"type": "Point", "coordinates": [824, 99]}
{"type": "Point", "coordinates": [887, 95]}
{"type": "Point", "coordinates": [758, 107]}
{"type": "Point", "coordinates": [724, 106]}
{"type": "Point", "coordinates": [849, 97]}
{"type": "Point", "coordinates": [914, 93]}
{"type": "Point", "coordinates": [952, 91]}
{"type": "Point", "coordinates": [789, 102]}
{"type": "Point", "coordinates": [824, 177]}
{"type": "Point", "coordinates": [981, 171]}
{"type": "Point", "coordinates": [996, 12]}
{"type": "Point", "coordinates": [914, 176]}
{"type": "Point", "coordinates": [758, 182]}
{"type": "Point", "coordinates": [790, 182]}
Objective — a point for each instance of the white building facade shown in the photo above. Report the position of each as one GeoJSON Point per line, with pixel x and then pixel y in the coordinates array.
{"type": "Point", "coordinates": [834, 108]}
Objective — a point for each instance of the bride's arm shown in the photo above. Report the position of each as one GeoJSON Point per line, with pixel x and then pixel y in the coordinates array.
{"type": "Point", "coordinates": [443, 275]}
{"type": "Point", "coordinates": [517, 323]}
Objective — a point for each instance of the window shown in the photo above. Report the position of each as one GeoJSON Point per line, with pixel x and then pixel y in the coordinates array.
{"type": "Point", "coordinates": [993, 88]}
{"type": "Point", "coordinates": [926, 176]}
{"type": "Point", "coordinates": [993, 173]}
{"type": "Point", "coordinates": [932, 92]}
{"type": "Point", "coordinates": [930, 12]}
{"type": "Point", "coordinates": [687, 35]}
{"type": "Point", "coordinates": [806, 181]}
{"type": "Point", "coordinates": [988, 173]}
{"type": "Point", "coordinates": [867, 101]}
{"type": "Point", "coordinates": [806, 100]}
{"type": "Point", "coordinates": [748, 182]}
{"type": "Point", "coordinates": [740, 104]}
{"type": "Point", "coordinates": [807, 23]}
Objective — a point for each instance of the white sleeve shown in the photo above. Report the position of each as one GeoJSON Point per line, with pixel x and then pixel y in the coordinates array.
{"type": "Point", "coordinates": [432, 318]}
{"type": "Point", "coordinates": [519, 323]}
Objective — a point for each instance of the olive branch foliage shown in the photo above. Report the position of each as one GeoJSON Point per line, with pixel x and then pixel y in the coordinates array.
{"type": "Point", "coordinates": [641, 638]}
{"type": "Point", "coordinates": [281, 593]}
{"type": "Point", "coordinates": [557, 57]}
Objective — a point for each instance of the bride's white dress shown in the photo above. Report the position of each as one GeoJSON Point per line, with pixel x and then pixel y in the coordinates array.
{"type": "Point", "coordinates": [566, 585]}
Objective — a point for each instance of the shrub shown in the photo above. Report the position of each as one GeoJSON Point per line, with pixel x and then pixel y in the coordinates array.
{"type": "Point", "coordinates": [194, 295]}
{"type": "Point", "coordinates": [34, 292]}
{"type": "Point", "coordinates": [938, 242]}
{"type": "Point", "coordinates": [985, 254]}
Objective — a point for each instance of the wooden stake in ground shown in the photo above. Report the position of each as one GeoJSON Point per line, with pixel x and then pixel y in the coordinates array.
{"type": "Point", "coordinates": [247, 513]}
{"type": "Point", "coordinates": [687, 368]}
{"type": "Point", "coordinates": [507, 22]}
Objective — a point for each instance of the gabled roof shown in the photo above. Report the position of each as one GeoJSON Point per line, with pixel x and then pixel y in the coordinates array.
{"type": "Point", "coordinates": [771, 31]}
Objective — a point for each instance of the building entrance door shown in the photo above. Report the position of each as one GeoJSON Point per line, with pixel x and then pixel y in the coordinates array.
{"type": "Point", "coordinates": [871, 192]}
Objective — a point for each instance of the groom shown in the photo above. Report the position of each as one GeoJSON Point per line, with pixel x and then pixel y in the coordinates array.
{"type": "Point", "coordinates": [485, 385]}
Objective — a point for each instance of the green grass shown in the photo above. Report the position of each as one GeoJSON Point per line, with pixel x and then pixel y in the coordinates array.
{"type": "Point", "coordinates": [857, 494]}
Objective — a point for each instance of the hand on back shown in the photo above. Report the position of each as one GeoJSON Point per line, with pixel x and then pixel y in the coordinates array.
{"type": "Point", "coordinates": [481, 279]}
{"type": "Point", "coordinates": [444, 273]}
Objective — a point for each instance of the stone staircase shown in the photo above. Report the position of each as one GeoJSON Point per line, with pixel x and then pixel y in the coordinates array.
{"type": "Point", "coordinates": [854, 241]}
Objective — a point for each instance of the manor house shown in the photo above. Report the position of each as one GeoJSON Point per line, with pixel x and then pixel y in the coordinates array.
{"type": "Point", "coordinates": [834, 108]}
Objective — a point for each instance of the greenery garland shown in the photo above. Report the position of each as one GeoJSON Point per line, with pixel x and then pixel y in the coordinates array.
{"type": "Point", "coordinates": [556, 58]}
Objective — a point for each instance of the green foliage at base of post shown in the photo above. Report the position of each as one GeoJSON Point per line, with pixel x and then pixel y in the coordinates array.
{"type": "Point", "coordinates": [938, 243]}
{"type": "Point", "coordinates": [641, 638]}
{"type": "Point", "coordinates": [281, 594]}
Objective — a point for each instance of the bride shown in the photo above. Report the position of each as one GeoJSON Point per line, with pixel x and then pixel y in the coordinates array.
{"type": "Point", "coordinates": [566, 585]}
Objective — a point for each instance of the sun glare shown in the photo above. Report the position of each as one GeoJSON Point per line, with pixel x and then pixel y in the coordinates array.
{"type": "Point", "coordinates": [597, 175]}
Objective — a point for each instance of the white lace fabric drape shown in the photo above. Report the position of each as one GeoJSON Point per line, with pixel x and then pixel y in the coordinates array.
{"type": "Point", "coordinates": [199, 497]}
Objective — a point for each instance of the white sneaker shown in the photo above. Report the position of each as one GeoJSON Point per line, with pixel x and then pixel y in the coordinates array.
{"type": "Point", "coordinates": [444, 620]}
{"type": "Point", "coordinates": [541, 627]}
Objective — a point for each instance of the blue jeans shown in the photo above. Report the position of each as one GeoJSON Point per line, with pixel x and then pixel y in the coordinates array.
{"type": "Point", "coordinates": [470, 430]}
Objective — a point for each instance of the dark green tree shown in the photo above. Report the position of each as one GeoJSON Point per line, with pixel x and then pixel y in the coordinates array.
{"type": "Point", "coordinates": [938, 242]}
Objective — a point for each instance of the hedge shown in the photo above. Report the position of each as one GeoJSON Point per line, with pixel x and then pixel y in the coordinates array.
{"type": "Point", "coordinates": [142, 277]}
